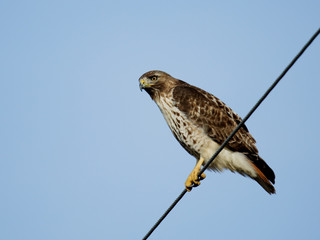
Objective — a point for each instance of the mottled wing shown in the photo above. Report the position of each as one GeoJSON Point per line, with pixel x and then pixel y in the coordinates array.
{"type": "Point", "coordinates": [213, 116]}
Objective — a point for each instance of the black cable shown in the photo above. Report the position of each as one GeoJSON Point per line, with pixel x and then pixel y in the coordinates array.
{"type": "Point", "coordinates": [165, 214]}
{"type": "Point", "coordinates": [235, 131]}
{"type": "Point", "coordinates": [260, 101]}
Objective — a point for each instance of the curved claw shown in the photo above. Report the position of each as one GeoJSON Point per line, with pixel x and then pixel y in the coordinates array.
{"type": "Point", "coordinates": [194, 179]}
{"type": "Point", "coordinates": [202, 176]}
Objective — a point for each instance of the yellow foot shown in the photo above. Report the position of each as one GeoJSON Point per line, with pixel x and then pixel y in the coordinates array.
{"type": "Point", "coordinates": [193, 180]}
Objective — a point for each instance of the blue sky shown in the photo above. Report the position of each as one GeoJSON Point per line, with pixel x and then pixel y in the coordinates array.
{"type": "Point", "coordinates": [86, 155]}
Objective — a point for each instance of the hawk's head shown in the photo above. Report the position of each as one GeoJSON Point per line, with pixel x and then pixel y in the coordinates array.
{"type": "Point", "coordinates": [154, 82]}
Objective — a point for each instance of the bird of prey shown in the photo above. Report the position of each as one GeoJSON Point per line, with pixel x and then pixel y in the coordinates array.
{"type": "Point", "coordinates": [201, 122]}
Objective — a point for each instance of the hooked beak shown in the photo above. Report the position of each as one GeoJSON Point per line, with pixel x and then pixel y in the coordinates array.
{"type": "Point", "coordinates": [141, 84]}
{"type": "Point", "coordinates": [144, 84]}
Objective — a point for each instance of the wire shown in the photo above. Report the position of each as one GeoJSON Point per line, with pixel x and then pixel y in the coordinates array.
{"type": "Point", "coordinates": [235, 130]}
{"type": "Point", "coordinates": [260, 101]}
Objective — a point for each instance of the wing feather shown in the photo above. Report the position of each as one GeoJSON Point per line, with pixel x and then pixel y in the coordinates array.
{"type": "Point", "coordinates": [214, 117]}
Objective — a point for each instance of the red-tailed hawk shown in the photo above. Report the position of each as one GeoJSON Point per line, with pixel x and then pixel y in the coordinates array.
{"type": "Point", "coordinates": [201, 122]}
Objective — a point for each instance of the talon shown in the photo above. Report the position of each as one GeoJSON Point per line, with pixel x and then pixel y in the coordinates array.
{"type": "Point", "coordinates": [193, 180]}
{"type": "Point", "coordinates": [189, 183]}
{"type": "Point", "coordinates": [196, 183]}
{"type": "Point", "coordinates": [202, 176]}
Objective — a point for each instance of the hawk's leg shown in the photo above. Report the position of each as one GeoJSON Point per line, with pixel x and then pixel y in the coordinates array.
{"type": "Point", "coordinates": [193, 180]}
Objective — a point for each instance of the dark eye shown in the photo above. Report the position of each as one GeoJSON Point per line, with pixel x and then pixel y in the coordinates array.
{"type": "Point", "coordinates": [154, 78]}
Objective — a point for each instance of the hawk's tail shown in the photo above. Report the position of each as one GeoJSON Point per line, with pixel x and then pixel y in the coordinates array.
{"type": "Point", "coordinates": [264, 175]}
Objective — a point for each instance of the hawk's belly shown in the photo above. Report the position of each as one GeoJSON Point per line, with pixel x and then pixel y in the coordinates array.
{"type": "Point", "coordinates": [189, 136]}
{"type": "Point", "coordinates": [195, 141]}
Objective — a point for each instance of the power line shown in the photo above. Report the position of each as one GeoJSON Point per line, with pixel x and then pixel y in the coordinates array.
{"type": "Point", "coordinates": [235, 130]}
{"type": "Point", "coordinates": [260, 101]}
